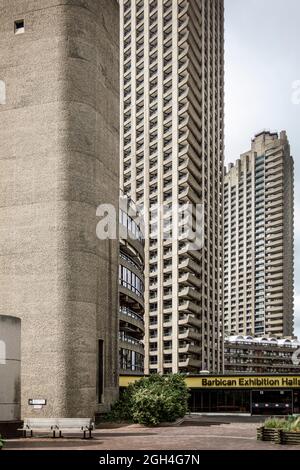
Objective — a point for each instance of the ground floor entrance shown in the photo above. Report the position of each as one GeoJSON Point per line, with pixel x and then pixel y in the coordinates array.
{"type": "Point", "coordinates": [257, 395]}
{"type": "Point", "coordinates": [275, 402]}
{"type": "Point", "coordinates": [256, 402]}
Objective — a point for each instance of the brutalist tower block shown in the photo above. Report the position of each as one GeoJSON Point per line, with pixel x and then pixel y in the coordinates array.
{"type": "Point", "coordinates": [59, 120]}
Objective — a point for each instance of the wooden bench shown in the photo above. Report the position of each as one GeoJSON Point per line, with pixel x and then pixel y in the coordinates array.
{"type": "Point", "coordinates": [57, 425]}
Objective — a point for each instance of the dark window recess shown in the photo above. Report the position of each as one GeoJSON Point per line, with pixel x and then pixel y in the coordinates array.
{"type": "Point", "coordinates": [19, 26]}
{"type": "Point", "coordinates": [100, 381]}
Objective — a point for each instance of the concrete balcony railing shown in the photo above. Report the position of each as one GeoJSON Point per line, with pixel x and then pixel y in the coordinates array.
{"type": "Point", "coordinates": [189, 279]}
{"type": "Point", "coordinates": [190, 363]}
{"type": "Point", "coordinates": [129, 342]}
{"type": "Point", "coordinates": [190, 320]}
{"type": "Point", "coordinates": [189, 263]}
{"type": "Point", "coordinates": [129, 316]}
{"type": "Point", "coordinates": [188, 333]}
{"type": "Point", "coordinates": [188, 306]}
{"type": "Point", "coordinates": [189, 293]}
{"type": "Point", "coordinates": [190, 348]}
{"type": "Point", "coordinates": [130, 297]}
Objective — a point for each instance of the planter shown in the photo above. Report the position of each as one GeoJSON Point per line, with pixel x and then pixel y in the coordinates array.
{"type": "Point", "coordinates": [268, 434]}
{"type": "Point", "coordinates": [289, 438]}
{"type": "Point", "coordinates": [259, 433]}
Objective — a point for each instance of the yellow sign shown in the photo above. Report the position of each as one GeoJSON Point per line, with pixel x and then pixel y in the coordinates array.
{"type": "Point", "coordinates": [244, 382]}
{"type": "Point", "coordinates": [125, 380]}
{"type": "Point", "coordinates": [231, 382]}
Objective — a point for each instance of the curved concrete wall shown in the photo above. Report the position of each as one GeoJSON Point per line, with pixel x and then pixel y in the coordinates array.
{"type": "Point", "coordinates": [59, 159]}
{"type": "Point", "coordinates": [10, 368]}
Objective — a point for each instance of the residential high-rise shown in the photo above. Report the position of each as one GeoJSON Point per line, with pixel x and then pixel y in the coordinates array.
{"type": "Point", "coordinates": [259, 240]}
{"type": "Point", "coordinates": [131, 290]}
{"type": "Point", "coordinates": [59, 160]}
{"type": "Point", "coordinates": [172, 73]}
{"type": "Point", "coordinates": [248, 355]}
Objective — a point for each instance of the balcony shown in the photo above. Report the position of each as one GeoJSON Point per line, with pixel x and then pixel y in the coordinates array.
{"type": "Point", "coordinates": [190, 320]}
{"type": "Point", "coordinates": [189, 279]}
{"type": "Point", "coordinates": [190, 348]}
{"type": "Point", "coordinates": [130, 342]}
{"type": "Point", "coordinates": [188, 306]}
{"type": "Point", "coordinates": [190, 334]}
{"type": "Point", "coordinates": [190, 363]}
{"type": "Point", "coordinates": [132, 318]}
{"type": "Point", "coordinates": [189, 293]}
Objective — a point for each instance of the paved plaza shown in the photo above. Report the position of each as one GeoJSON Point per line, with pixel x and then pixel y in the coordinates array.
{"type": "Point", "coordinates": [195, 434]}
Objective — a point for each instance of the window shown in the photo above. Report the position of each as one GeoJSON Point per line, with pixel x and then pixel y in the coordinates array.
{"type": "Point", "coordinates": [100, 381]}
{"type": "Point", "coordinates": [19, 26]}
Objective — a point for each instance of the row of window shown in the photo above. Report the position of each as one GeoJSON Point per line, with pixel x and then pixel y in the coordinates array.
{"type": "Point", "coordinates": [130, 313]}
{"type": "Point", "coordinates": [131, 281]}
{"type": "Point", "coordinates": [137, 262]}
{"type": "Point", "coordinates": [131, 225]}
{"type": "Point", "coordinates": [131, 360]}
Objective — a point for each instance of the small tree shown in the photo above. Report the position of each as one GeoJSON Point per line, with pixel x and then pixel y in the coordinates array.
{"type": "Point", "coordinates": [153, 400]}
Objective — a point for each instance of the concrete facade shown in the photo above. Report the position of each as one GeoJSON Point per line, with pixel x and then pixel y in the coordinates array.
{"type": "Point", "coordinates": [58, 161]}
{"type": "Point", "coordinates": [259, 240]}
{"type": "Point", "coordinates": [245, 354]}
{"type": "Point", "coordinates": [10, 368]}
{"type": "Point", "coordinates": [172, 109]}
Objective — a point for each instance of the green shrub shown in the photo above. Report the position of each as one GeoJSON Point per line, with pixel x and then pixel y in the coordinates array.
{"type": "Point", "coordinates": [289, 424]}
{"type": "Point", "coordinates": [121, 411]}
{"type": "Point", "coordinates": [153, 400]}
{"type": "Point", "coordinates": [293, 425]}
{"type": "Point", "coordinates": [275, 423]}
{"type": "Point", "coordinates": [1, 442]}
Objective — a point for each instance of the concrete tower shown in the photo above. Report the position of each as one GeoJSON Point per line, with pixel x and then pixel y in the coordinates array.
{"type": "Point", "coordinates": [59, 159]}
{"type": "Point", "coordinates": [172, 111]}
{"type": "Point", "coordinates": [259, 240]}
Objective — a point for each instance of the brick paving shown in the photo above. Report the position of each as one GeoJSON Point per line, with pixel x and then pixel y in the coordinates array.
{"type": "Point", "coordinates": [198, 435]}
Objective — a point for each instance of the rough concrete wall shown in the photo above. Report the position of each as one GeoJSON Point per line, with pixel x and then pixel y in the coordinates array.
{"type": "Point", "coordinates": [58, 162]}
{"type": "Point", "coordinates": [288, 244]}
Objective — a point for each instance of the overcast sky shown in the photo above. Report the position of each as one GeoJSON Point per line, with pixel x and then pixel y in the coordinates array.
{"type": "Point", "coordinates": [262, 63]}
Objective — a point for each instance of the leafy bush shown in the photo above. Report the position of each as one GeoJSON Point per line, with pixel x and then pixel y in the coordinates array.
{"type": "Point", "coordinates": [121, 411]}
{"type": "Point", "coordinates": [153, 400]}
{"type": "Point", "coordinates": [1, 442]}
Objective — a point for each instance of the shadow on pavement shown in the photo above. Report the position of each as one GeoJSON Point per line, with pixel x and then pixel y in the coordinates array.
{"type": "Point", "coordinates": [201, 423]}
{"type": "Point", "coordinates": [43, 444]}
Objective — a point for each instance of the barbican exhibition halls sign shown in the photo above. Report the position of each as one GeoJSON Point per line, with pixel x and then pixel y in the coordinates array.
{"type": "Point", "coordinates": [244, 382]}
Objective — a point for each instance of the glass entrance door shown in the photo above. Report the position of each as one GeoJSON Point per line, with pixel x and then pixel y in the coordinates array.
{"type": "Point", "coordinates": [272, 402]}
